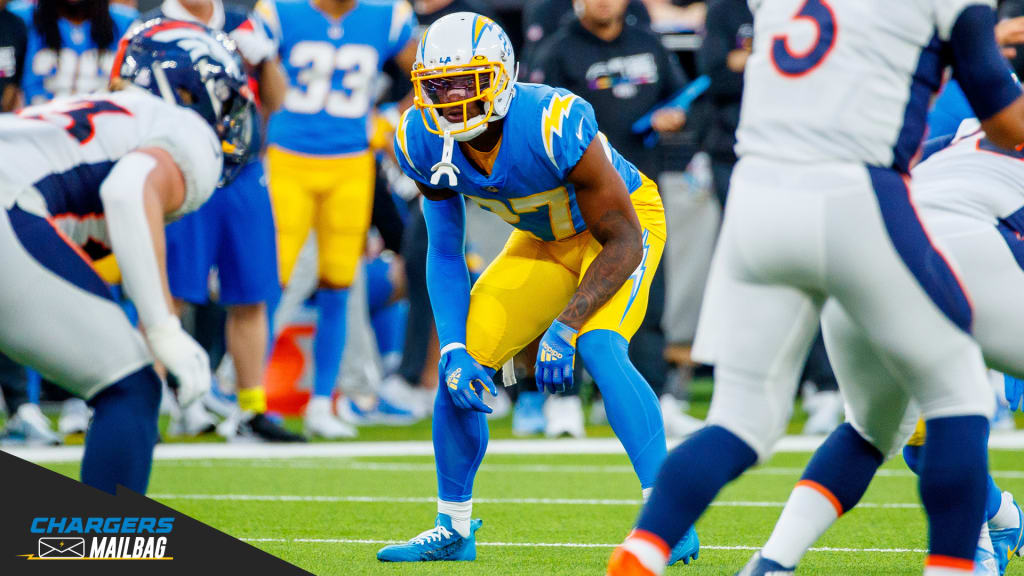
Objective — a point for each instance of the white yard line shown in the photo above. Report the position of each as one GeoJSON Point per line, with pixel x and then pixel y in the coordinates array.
{"type": "Point", "coordinates": [211, 451]}
{"type": "Point", "coordinates": [322, 464]}
{"type": "Point", "coordinates": [541, 501]}
{"type": "Point", "coordinates": [566, 545]}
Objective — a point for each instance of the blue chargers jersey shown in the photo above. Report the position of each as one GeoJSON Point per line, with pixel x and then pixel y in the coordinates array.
{"type": "Point", "coordinates": [80, 67]}
{"type": "Point", "coordinates": [545, 133]}
{"type": "Point", "coordinates": [332, 68]}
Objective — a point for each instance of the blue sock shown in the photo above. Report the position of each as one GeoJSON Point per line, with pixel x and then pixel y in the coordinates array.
{"type": "Point", "coordinates": [993, 498]}
{"type": "Point", "coordinates": [119, 444]}
{"type": "Point", "coordinates": [389, 327]}
{"type": "Point", "coordinates": [329, 340]}
{"type": "Point", "coordinates": [953, 468]}
{"type": "Point", "coordinates": [690, 478]}
{"type": "Point", "coordinates": [844, 465]}
{"type": "Point", "coordinates": [912, 456]}
{"type": "Point", "coordinates": [460, 441]}
{"type": "Point", "coordinates": [272, 302]}
{"type": "Point", "coordinates": [632, 407]}
{"type": "Point", "coordinates": [34, 383]}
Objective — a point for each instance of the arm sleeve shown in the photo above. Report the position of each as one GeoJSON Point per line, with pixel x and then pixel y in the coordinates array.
{"type": "Point", "coordinates": [447, 273]}
{"type": "Point", "coordinates": [131, 238]}
{"type": "Point", "coordinates": [978, 65]}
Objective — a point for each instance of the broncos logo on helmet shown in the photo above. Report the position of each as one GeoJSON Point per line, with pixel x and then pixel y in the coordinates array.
{"type": "Point", "coordinates": [190, 65]}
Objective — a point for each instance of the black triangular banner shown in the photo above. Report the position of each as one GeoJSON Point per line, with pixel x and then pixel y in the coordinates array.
{"type": "Point", "coordinates": [51, 524]}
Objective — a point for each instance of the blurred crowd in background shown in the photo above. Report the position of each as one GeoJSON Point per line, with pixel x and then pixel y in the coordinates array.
{"type": "Point", "coordinates": [287, 335]}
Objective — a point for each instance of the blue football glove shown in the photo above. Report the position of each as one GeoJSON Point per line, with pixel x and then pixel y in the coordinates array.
{"type": "Point", "coordinates": [465, 380]}
{"type": "Point", "coordinates": [1014, 392]}
{"type": "Point", "coordinates": [555, 358]}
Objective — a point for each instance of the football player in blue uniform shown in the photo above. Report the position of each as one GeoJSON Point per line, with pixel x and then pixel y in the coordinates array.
{"type": "Point", "coordinates": [233, 232]}
{"type": "Point", "coordinates": [319, 163]}
{"type": "Point", "coordinates": [590, 229]}
{"type": "Point", "coordinates": [71, 45]}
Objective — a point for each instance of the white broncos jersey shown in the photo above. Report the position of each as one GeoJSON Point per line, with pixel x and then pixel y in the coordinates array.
{"type": "Point", "coordinates": [55, 156]}
{"type": "Point", "coordinates": [972, 177]}
{"type": "Point", "coordinates": [844, 80]}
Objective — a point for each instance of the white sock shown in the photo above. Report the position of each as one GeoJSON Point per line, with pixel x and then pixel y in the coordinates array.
{"type": "Point", "coordinates": [459, 512]}
{"type": "Point", "coordinates": [649, 549]}
{"type": "Point", "coordinates": [1007, 516]}
{"type": "Point", "coordinates": [647, 493]}
{"type": "Point", "coordinates": [807, 515]}
{"type": "Point", "coordinates": [942, 571]}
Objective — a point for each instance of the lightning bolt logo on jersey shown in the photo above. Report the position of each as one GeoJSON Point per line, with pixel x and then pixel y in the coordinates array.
{"type": "Point", "coordinates": [528, 186]}
{"type": "Point", "coordinates": [332, 67]}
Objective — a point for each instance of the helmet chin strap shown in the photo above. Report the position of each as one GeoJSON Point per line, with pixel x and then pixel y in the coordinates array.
{"type": "Point", "coordinates": [445, 166]}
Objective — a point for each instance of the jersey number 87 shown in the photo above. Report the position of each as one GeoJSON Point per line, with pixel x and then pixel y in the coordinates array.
{"type": "Point", "coordinates": [318, 62]}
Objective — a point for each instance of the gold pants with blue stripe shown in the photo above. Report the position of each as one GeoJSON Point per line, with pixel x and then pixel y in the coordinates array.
{"type": "Point", "coordinates": [332, 195]}
{"type": "Point", "coordinates": [529, 284]}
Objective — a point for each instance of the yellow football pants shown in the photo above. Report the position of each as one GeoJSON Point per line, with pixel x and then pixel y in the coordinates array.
{"type": "Point", "coordinates": [331, 195]}
{"type": "Point", "coordinates": [529, 284]}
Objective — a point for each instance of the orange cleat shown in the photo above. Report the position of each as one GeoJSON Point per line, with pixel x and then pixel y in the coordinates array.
{"type": "Point", "coordinates": [625, 563]}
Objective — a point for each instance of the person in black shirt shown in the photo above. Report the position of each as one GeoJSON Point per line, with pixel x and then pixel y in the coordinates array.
{"type": "Point", "coordinates": [622, 70]}
{"type": "Point", "coordinates": [723, 56]}
{"type": "Point", "coordinates": [542, 18]}
{"type": "Point", "coordinates": [13, 38]}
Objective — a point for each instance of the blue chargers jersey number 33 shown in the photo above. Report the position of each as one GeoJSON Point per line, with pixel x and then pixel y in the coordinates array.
{"type": "Point", "coordinates": [332, 67]}
{"type": "Point", "coordinates": [545, 134]}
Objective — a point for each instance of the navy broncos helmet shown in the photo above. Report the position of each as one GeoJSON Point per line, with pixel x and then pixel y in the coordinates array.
{"type": "Point", "coordinates": [198, 68]}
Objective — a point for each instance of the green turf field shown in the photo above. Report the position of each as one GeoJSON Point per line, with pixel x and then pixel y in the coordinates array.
{"type": "Point", "coordinates": [543, 514]}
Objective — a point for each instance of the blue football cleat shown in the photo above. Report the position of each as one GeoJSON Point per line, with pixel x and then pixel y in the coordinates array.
{"type": "Point", "coordinates": [441, 542]}
{"type": "Point", "coordinates": [761, 566]}
{"type": "Point", "coordinates": [687, 549]}
{"type": "Point", "coordinates": [1008, 541]}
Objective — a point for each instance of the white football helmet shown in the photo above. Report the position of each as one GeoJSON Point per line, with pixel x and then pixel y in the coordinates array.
{"type": "Point", "coordinates": [471, 49]}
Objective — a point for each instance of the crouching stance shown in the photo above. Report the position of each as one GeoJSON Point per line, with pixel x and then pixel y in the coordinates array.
{"type": "Point", "coordinates": [85, 176]}
{"type": "Point", "coordinates": [590, 230]}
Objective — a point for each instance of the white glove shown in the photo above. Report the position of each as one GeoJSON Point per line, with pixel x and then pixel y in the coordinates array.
{"type": "Point", "coordinates": [182, 356]}
{"type": "Point", "coordinates": [253, 42]}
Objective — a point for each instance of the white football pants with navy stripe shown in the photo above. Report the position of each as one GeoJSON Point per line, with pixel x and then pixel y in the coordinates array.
{"type": "Point", "coordinates": [56, 314]}
{"type": "Point", "coordinates": [798, 236]}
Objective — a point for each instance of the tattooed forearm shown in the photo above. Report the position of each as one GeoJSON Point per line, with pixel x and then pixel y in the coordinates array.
{"type": "Point", "coordinates": [620, 254]}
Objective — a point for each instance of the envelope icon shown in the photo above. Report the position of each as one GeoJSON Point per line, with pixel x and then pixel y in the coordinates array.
{"type": "Point", "coordinates": [61, 547]}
